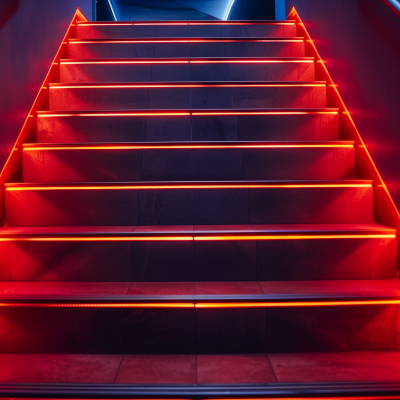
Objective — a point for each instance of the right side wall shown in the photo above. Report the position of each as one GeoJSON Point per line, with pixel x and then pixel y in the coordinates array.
{"type": "Point", "coordinates": [360, 42]}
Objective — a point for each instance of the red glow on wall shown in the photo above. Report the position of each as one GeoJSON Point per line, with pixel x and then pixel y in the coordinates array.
{"type": "Point", "coordinates": [386, 206]}
{"type": "Point", "coordinates": [13, 161]}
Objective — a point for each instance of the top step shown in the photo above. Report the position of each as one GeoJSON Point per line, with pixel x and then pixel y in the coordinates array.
{"type": "Point", "coordinates": [194, 29]}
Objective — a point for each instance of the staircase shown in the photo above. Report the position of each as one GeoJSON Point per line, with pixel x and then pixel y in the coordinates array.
{"type": "Point", "coordinates": [193, 217]}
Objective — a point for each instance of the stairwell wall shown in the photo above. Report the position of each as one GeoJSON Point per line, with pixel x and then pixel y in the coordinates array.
{"type": "Point", "coordinates": [30, 34]}
{"type": "Point", "coordinates": [360, 42]}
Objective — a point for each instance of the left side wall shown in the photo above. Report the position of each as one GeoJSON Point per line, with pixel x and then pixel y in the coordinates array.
{"type": "Point", "coordinates": [30, 33]}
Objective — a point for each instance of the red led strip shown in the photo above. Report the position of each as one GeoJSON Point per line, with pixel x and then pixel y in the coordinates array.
{"type": "Point", "coordinates": [169, 86]}
{"type": "Point", "coordinates": [127, 62]}
{"type": "Point", "coordinates": [175, 114]}
{"type": "Point", "coordinates": [237, 61]}
{"type": "Point", "coordinates": [191, 186]}
{"type": "Point", "coordinates": [133, 114]}
{"type": "Point", "coordinates": [297, 304]}
{"type": "Point", "coordinates": [183, 23]}
{"type": "Point", "coordinates": [292, 237]}
{"type": "Point", "coordinates": [333, 303]}
{"type": "Point", "coordinates": [100, 305]}
{"type": "Point", "coordinates": [194, 146]}
{"type": "Point", "coordinates": [249, 61]}
{"type": "Point", "coordinates": [194, 238]}
{"type": "Point", "coordinates": [264, 113]}
{"type": "Point", "coordinates": [74, 41]}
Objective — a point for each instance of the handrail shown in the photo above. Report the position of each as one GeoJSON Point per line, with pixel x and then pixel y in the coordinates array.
{"type": "Point", "coordinates": [394, 5]}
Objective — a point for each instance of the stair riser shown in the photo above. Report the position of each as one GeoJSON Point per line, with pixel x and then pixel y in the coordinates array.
{"type": "Point", "coordinates": [75, 73]}
{"type": "Point", "coordinates": [79, 129]}
{"type": "Point", "coordinates": [71, 99]}
{"type": "Point", "coordinates": [176, 261]}
{"type": "Point", "coordinates": [122, 207]}
{"type": "Point", "coordinates": [188, 165]}
{"type": "Point", "coordinates": [196, 49]}
{"type": "Point", "coordinates": [206, 331]}
{"type": "Point", "coordinates": [148, 31]}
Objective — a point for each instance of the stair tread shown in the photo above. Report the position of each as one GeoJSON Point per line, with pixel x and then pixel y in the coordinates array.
{"type": "Point", "coordinates": [197, 291]}
{"type": "Point", "coordinates": [196, 229]}
{"type": "Point", "coordinates": [190, 371]}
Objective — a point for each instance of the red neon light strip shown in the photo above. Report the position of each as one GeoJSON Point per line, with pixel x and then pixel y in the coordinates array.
{"type": "Point", "coordinates": [74, 41]}
{"type": "Point", "coordinates": [175, 114]}
{"type": "Point", "coordinates": [99, 239]}
{"type": "Point", "coordinates": [293, 237]}
{"type": "Point", "coordinates": [100, 305]}
{"type": "Point", "coordinates": [168, 86]}
{"type": "Point", "coordinates": [127, 62]}
{"type": "Point", "coordinates": [244, 23]}
{"type": "Point", "coordinates": [264, 113]}
{"type": "Point", "coordinates": [250, 61]}
{"type": "Point", "coordinates": [193, 186]}
{"type": "Point", "coordinates": [298, 304]}
{"type": "Point", "coordinates": [195, 146]}
{"type": "Point", "coordinates": [193, 238]}
{"type": "Point", "coordinates": [133, 114]}
{"type": "Point", "coordinates": [184, 23]}
{"type": "Point", "coordinates": [333, 303]}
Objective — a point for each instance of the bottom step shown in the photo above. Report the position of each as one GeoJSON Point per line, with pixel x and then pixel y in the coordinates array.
{"type": "Point", "coordinates": [202, 369]}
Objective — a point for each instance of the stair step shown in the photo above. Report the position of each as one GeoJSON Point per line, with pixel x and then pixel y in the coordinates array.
{"type": "Point", "coordinates": [211, 324]}
{"type": "Point", "coordinates": [191, 369]}
{"type": "Point", "coordinates": [184, 95]}
{"type": "Point", "coordinates": [165, 70]}
{"type": "Point", "coordinates": [198, 253]}
{"type": "Point", "coordinates": [186, 47]}
{"type": "Point", "coordinates": [96, 30]}
{"type": "Point", "coordinates": [181, 203]}
{"type": "Point", "coordinates": [188, 125]}
{"type": "Point", "coordinates": [252, 293]}
{"type": "Point", "coordinates": [124, 162]}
